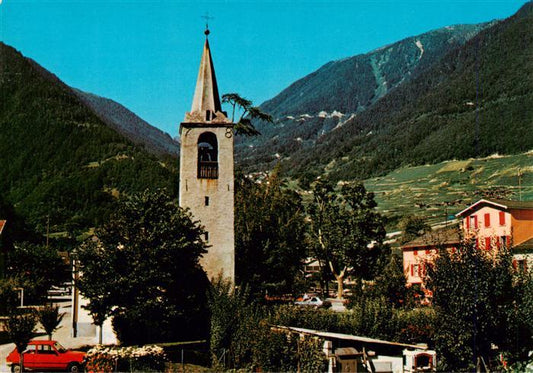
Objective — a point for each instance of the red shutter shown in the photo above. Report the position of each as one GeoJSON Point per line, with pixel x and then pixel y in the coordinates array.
{"type": "Point", "coordinates": [487, 243]}
{"type": "Point", "coordinates": [475, 221]}
{"type": "Point", "coordinates": [487, 220]}
{"type": "Point", "coordinates": [502, 218]}
{"type": "Point", "coordinates": [467, 222]}
{"type": "Point", "coordinates": [477, 242]}
{"type": "Point", "coordinates": [514, 264]}
{"type": "Point", "coordinates": [412, 269]}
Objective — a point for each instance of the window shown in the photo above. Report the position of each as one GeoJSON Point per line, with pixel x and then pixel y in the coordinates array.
{"type": "Point", "coordinates": [415, 270]}
{"type": "Point", "coordinates": [487, 243]}
{"type": "Point", "coordinates": [520, 265]}
{"type": "Point", "coordinates": [487, 220]}
{"type": "Point", "coordinates": [46, 349]}
{"type": "Point", "coordinates": [207, 156]}
{"type": "Point", "coordinates": [502, 218]}
{"type": "Point", "coordinates": [502, 241]}
{"type": "Point", "coordinates": [473, 221]}
{"type": "Point", "coordinates": [206, 200]}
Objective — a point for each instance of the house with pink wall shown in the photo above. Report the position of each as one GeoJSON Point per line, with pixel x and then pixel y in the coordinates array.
{"type": "Point", "coordinates": [495, 223]}
{"type": "Point", "coordinates": [491, 223]}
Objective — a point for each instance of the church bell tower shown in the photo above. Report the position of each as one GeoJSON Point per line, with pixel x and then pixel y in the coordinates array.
{"type": "Point", "coordinates": [206, 170]}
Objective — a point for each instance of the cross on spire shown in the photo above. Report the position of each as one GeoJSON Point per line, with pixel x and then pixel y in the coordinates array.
{"type": "Point", "coordinates": [207, 18]}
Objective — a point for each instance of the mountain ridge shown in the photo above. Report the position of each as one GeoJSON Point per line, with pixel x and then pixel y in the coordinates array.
{"type": "Point", "coordinates": [429, 118]}
{"type": "Point", "coordinates": [60, 164]}
{"type": "Point", "coordinates": [326, 98]}
{"type": "Point", "coordinates": [129, 124]}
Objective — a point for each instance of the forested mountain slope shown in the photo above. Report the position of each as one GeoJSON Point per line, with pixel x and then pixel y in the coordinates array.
{"type": "Point", "coordinates": [327, 98]}
{"type": "Point", "coordinates": [475, 101]}
{"type": "Point", "coordinates": [57, 158]}
{"type": "Point", "coordinates": [130, 125]}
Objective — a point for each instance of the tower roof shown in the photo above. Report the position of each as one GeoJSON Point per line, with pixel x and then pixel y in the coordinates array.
{"type": "Point", "coordinates": [206, 105]}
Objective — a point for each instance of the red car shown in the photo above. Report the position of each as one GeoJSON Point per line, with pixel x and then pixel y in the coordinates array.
{"type": "Point", "coordinates": [46, 355]}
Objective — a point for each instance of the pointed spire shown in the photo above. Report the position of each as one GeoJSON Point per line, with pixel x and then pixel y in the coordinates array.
{"type": "Point", "coordinates": [206, 101]}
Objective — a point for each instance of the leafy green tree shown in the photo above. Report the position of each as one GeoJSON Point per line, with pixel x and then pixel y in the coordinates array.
{"type": "Point", "coordinates": [228, 307]}
{"type": "Point", "coordinates": [142, 267]}
{"type": "Point", "coordinates": [20, 327]}
{"type": "Point", "coordinates": [270, 237]}
{"type": "Point", "coordinates": [244, 125]}
{"type": "Point", "coordinates": [36, 268]}
{"type": "Point", "coordinates": [391, 282]}
{"type": "Point", "coordinates": [412, 227]}
{"type": "Point", "coordinates": [475, 301]}
{"type": "Point", "coordinates": [50, 318]}
{"type": "Point", "coordinates": [346, 232]}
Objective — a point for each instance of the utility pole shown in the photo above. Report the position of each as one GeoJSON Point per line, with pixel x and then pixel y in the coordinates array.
{"type": "Point", "coordinates": [47, 230]}
{"type": "Point", "coordinates": [519, 184]}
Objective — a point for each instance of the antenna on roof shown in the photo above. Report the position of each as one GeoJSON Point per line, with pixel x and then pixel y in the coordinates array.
{"type": "Point", "coordinates": [520, 174]}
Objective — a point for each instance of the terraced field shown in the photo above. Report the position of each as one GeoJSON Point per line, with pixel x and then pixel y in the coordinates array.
{"type": "Point", "coordinates": [439, 191]}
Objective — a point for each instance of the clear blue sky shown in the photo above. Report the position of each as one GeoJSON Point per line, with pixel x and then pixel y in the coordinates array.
{"type": "Point", "coordinates": [145, 54]}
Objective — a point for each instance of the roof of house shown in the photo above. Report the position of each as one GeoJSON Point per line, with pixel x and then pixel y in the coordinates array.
{"type": "Point", "coordinates": [2, 225]}
{"type": "Point", "coordinates": [349, 337]}
{"type": "Point", "coordinates": [501, 203]}
{"type": "Point", "coordinates": [445, 236]}
{"type": "Point", "coordinates": [526, 246]}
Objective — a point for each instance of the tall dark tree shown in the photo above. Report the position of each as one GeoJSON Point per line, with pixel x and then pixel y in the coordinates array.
{"type": "Point", "coordinates": [36, 268]}
{"type": "Point", "coordinates": [391, 282]}
{"type": "Point", "coordinates": [50, 318]}
{"type": "Point", "coordinates": [412, 227]}
{"type": "Point", "coordinates": [142, 267]}
{"type": "Point", "coordinates": [20, 328]}
{"type": "Point", "coordinates": [347, 232]}
{"type": "Point", "coordinates": [248, 113]}
{"type": "Point", "coordinates": [270, 235]}
{"type": "Point", "coordinates": [476, 304]}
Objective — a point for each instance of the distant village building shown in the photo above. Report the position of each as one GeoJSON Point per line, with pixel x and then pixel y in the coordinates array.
{"type": "Point", "coordinates": [206, 170]}
{"type": "Point", "coordinates": [491, 223]}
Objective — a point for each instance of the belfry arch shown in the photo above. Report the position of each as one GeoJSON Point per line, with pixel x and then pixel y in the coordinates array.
{"type": "Point", "coordinates": [207, 156]}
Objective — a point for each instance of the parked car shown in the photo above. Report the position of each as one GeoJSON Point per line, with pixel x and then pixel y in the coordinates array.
{"type": "Point", "coordinates": [46, 355]}
{"type": "Point", "coordinates": [311, 301]}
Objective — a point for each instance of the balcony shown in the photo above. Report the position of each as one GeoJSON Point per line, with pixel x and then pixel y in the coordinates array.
{"type": "Point", "coordinates": [207, 170]}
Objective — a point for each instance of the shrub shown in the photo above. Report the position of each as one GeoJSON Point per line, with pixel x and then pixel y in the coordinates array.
{"type": "Point", "coordinates": [133, 359]}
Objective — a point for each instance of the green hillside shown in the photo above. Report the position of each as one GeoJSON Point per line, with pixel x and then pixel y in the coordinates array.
{"type": "Point", "coordinates": [58, 160]}
{"type": "Point", "coordinates": [478, 100]}
{"type": "Point", "coordinates": [439, 190]}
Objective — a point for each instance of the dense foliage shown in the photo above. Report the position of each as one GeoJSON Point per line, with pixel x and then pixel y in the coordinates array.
{"type": "Point", "coordinates": [142, 268]}
{"type": "Point", "coordinates": [20, 327]}
{"type": "Point", "coordinates": [270, 242]}
{"type": "Point", "coordinates": [243, 335]}
{"type": "Point", "coordinates": [35, 268]}
{"type": "Point", "coordinates": [50, 318]}
{"type": "Point", "coordinates": [478, 305]}
{"type": "Point", "coordinates": [58, 160]}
